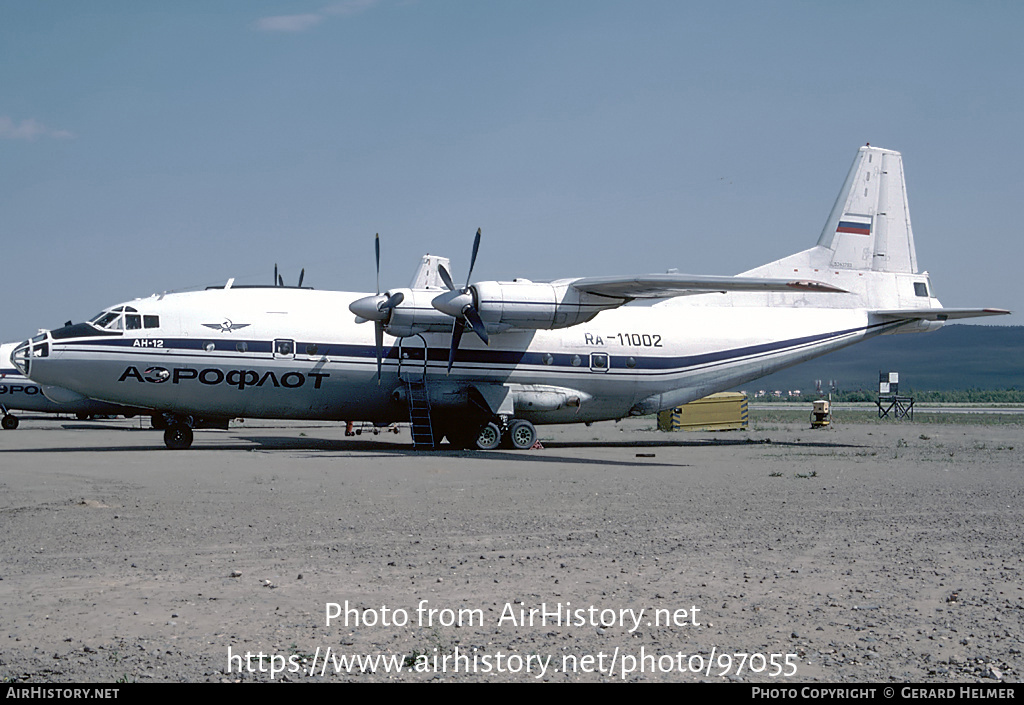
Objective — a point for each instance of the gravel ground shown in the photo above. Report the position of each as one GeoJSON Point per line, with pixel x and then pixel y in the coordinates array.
{"type": "Point", "coordinates": [861, 553]}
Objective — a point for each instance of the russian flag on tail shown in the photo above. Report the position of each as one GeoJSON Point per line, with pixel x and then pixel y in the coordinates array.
{"type": "Point", "coordinates": [856, 224]}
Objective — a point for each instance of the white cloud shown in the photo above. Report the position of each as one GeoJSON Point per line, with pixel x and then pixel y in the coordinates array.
{"type": "Point", "coordinates": [300, 23]}
{"type": "Point", "coordinates": [28, 130]}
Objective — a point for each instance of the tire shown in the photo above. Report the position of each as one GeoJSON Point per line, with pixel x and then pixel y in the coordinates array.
{"type": "Point", "coordinates": [178, 437]}
{"type": "Point", "coordinates": [488, 437]}
{"type": "Point", "coordinates": [10, 422]}
{"type": "Point", "coordinates": [522, 434]}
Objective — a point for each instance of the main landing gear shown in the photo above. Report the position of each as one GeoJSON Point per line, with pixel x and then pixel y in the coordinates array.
{"type": "Point", "coordinates": [517, 434]}
{"type": "Point", "coordinates": [9, 422]}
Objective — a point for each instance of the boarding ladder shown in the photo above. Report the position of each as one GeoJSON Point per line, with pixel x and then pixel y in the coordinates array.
{"type": "Point", "coordinates": [419, 414]}
{"type": "Point", "coordinates": [419, 402]}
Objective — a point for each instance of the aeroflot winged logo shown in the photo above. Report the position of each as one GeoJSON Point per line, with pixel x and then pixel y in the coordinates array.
{"type": "Point", "coordinates": [227, 326]}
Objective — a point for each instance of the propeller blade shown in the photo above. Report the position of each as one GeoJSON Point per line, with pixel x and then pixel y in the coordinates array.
{"type": "Point", "coordinates": [302, 274]}
{"type": "Point", "coordinates": [280, 280]}
{"type": "Point", "coordinates": [472, 260]}
{"type": "Point", "coordinates": [392, 301]}
{"type": "Point", "coordinates": [376, 247]}
{"type": "Point", "coordinates": [457, 327]}
{"type": "Point", "coordinates": [476, 323]}
{"type": "Point", "coordinates": [275, 274]}
{"type": "Point", "coordinates": [378, 334]}
{"type": "Point", "coordinates": [446, 277]}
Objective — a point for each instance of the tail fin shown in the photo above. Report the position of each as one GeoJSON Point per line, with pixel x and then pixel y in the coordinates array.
{"type": "Point", "coordinates": [427, 276]}
{"type": "Point", "coordinates": [867, 248]}
{"type": "Point", "coordinates": [869, 227]}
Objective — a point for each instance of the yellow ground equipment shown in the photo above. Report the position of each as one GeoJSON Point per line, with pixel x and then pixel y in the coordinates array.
{"type": "Point", "coordinates": [821, 414]}
{"type": "Point", "coordinates": [718, 412]}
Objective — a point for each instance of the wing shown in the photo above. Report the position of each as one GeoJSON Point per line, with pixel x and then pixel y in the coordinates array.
{"type": "Point", "coordinates": [657, 286]}
{"type": "Point", "coordinates": [938, 314]}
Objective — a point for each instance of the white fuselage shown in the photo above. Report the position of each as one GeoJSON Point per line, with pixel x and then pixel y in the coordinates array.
{"type": "Point", "coordinates": [291, 353]}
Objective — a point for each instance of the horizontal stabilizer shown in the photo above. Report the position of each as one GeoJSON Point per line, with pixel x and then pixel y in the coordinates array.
{"type": "Point", "coordinates": [939, 314]}
{"type": "Point", "coordinates": [657, 286]}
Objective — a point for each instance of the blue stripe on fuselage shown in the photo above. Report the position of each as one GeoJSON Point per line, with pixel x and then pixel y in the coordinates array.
{"type": "Point", "coordinates": [482, 357]}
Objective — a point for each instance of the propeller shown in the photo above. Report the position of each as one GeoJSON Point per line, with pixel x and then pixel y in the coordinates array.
{"type": "Point", "coordinates": [279, 280]}
{"type": "Point", "coordinates": [459, 304]}
{"type": "Point", "coordinates": [376, 308]}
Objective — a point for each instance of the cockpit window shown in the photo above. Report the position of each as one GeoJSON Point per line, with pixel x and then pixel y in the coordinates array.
{"type": "Point", "coordinates": [124, 318]}
{"type": "Point", "coordinates": [110, 320]}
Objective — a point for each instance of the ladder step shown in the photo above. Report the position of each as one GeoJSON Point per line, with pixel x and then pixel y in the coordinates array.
{"type": "Point", "coordinates": [421, 428]}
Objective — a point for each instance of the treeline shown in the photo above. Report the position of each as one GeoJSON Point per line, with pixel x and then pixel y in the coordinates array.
{"type": "Point", "coordinates": [950, 396]}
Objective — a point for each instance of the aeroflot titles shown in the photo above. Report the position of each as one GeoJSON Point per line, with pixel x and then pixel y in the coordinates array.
{"type": "Point", "coordinates": [213, 376]}
{"type": "Point", "coordinates": [18, 389]}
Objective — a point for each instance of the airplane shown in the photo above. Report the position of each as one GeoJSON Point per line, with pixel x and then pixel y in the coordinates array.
{"type": "Point", "coordinates": [565, 351]}
{"type": "Point", "coordinates": [18, 393]}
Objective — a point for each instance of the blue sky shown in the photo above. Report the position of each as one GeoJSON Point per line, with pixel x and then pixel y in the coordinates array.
{"type": "Point", "coordinates": [148, 147]}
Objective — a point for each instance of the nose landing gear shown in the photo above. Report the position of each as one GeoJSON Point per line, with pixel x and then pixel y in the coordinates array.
{"type": "Point", "coordinates": [177, 430]}
{"type": "Point", "coordinates": [178, 436]}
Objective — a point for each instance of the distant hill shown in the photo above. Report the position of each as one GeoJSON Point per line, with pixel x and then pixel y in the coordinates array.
{"type": "Point", "coordinates": [954, 357]}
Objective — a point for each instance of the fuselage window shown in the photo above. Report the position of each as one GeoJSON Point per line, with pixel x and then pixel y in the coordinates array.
{"type": "Point", "coordinates": [132, 321]}
{"type": "Point", "coordinates": [241, 347]}
{"type": "Point", "coordinates": [311, 350]}
{"type": "Point", "coordinates": [284, 348]}
{"type": "Point", "coordinates": [920, 289]}
{"type": "Point", "coordinates": [151, 321]}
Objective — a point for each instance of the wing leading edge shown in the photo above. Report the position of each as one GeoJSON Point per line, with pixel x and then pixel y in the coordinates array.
{"type": "Point", "coordinates": [659, 286]}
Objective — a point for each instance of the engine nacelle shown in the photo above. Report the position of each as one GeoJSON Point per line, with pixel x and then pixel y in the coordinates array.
{"type": "Point", "coordinates": [416, 314]}
{"type": "Point", "coordinates": [535, 306]}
